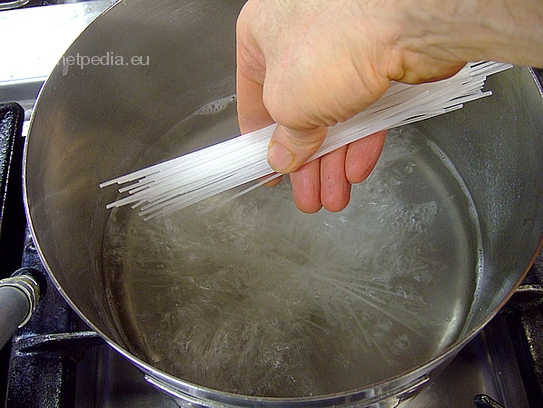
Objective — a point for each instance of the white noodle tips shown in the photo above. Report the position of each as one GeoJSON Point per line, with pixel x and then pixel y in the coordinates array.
{"type": "Point", "coordinates": [178, 183]}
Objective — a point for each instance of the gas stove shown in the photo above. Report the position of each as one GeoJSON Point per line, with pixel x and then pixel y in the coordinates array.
{"type": "Point", "coordinates": [56, 360]}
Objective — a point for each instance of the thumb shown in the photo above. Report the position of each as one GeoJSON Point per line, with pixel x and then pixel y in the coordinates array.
{"type": "Point", "coordinates": [291, 148]}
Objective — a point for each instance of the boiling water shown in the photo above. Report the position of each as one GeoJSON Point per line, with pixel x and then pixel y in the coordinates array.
{"type": "Point", "coordinates": [254, 297]}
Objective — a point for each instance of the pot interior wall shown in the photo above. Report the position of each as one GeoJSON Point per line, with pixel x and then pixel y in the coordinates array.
{"type": "Point", "coordinates": [93, 122]}
{"type": "Point", "coordinates": [496, 144]}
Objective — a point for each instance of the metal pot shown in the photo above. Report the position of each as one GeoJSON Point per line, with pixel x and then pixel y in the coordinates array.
{"type": "Point", "coordinates": [158, 61]}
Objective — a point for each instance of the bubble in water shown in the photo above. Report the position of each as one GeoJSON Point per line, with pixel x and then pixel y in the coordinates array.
{"type": "Point", "coordinates": [216, 106]}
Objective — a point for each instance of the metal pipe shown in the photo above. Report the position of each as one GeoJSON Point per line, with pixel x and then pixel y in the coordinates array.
{"type": "Point", "coordinates": [19, 296]}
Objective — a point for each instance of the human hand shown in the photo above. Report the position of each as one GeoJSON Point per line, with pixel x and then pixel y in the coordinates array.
{"type": "Point", "coordinates": [308, 64]}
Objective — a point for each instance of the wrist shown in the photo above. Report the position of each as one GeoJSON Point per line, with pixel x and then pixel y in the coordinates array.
{"type": "Point", "coordinates": [472, 30]}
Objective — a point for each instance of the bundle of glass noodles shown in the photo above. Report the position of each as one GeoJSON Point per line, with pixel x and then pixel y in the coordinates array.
{"type": "Point", "coordinates": [178, 183]}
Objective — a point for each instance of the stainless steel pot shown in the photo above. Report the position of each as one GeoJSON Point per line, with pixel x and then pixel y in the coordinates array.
{"type": "Point", "coordinates": [95, 117]}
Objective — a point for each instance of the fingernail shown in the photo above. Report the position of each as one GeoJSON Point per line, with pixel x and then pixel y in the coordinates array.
{"type": "Point", "coordinates": [279, 157]}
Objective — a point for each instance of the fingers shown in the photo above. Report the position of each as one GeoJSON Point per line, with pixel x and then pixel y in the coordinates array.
{"type": "Point", "coordinates": [326, 182]}
{"type": "Point", "coordinates": [322, 183]}
{"type": "Point", "coordinates": [335, 188]}
{"type": "Point", "coordinates": [362, 157]}
{"type": "Point", "coordinates": [290, 148]}
{"type": "Point", "coordinates": [306, 187]}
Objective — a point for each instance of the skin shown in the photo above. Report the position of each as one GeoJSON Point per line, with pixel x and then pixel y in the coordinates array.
{"type": "Point", "coordinates": [309, 64]}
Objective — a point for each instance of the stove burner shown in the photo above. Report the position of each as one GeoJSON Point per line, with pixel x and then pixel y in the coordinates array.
{"type": "Point", "coordinates": [12, 4]}
{"type": "Point", "coordinates": [484, 401]}
{"type": "Point", "coordinates": [46, 351]}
